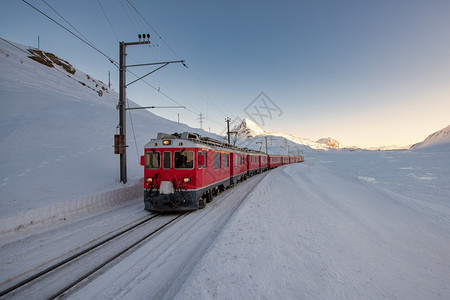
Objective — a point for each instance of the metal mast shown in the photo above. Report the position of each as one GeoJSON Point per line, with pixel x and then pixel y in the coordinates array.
{"type": "Point", "coordinates": [120, 145]}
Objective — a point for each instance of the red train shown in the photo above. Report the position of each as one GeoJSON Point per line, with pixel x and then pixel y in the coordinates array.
{"type": "Point", "coordinates": [185, 171]}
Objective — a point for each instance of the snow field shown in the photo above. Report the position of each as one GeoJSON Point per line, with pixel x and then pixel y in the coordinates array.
{"type": "Point", "coordinates": [308, 233]}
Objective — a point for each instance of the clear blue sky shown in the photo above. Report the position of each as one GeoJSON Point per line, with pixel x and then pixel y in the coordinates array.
{"type": "Point", "coordinates": [367, 73]}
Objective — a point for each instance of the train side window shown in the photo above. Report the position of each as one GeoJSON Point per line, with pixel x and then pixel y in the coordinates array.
{"type": "Point", "coordinates": [184, 160]}
{"type": "Point", "coordinates": [217, 159]}
{"type": "Point", "coordinates": [167, 160]}
{"type": "Point", "coordinates": [152, 160]}
{"type": "Point", "coordinates": [225, 160]}
{"type": "Point", "coordinates": [201, 161]}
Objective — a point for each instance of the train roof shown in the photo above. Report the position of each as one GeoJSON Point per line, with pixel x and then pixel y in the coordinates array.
{"type": "Point", "coordinates": [195, 140]}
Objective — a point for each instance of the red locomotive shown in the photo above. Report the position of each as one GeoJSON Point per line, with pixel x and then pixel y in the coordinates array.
{"type": "Point", "coordinates": [183, 172]}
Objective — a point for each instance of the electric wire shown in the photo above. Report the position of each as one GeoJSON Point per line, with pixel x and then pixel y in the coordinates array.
{"type": "Point", "coordinates": [154, 30]}
{"type": "Point", "coordinates": [107, 19]}
{"type": "Point", "coordinates": [78, 37]}
{"type": "Point", "coordinates": [73, 27]}
{"type": "Point", "coordinates": [159, 36]}
{"type": "Point", "coordinates": [130, 16]}
{"type": "Point", "coordinates": [215, 107]}
{"type": "Point", "coordinates": [156, 89]}
{"type": "Point", "coordinates": [90, 44]}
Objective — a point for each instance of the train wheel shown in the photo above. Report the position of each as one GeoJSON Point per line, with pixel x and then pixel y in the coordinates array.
{"type": "Point", "coordinates": [209, 196]}
{"type": "Point", "coordinates": [201, 203]}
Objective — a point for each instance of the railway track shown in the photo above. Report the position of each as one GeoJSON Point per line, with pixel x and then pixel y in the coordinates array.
{"type": "Point", "coordinates": [156, 260]}
{"type": "Point", "coordinates": [85, 263]}
{"type": "Point", "coordinates": [160, 268]}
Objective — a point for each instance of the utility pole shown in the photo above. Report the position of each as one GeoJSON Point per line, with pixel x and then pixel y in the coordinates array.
{"type": "Point", "coordinates": [120, 144]}
{"type": "Point", "coordinates": [120, 138]}
{"type": "Point", "coordinates": [266, 144]}
{"type": "Point", "coordinates": [228, 129]}
{"type": "Point", "coordinates": [201, 118]}
{"type": "Point", "coordinates": [260, 145]}
{"type": "Point", "coordinates": [109, 79]}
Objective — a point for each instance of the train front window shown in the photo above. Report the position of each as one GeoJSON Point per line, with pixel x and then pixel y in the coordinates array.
{"type": "Point", "coordinates": [152, 160]}
{"type": "Point", "coordinates": [167, 160]}
{"type": "Point", "coordinates": [184, 160]}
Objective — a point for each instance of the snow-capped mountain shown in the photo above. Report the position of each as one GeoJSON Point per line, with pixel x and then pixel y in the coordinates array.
{"type": "Point", "coordinates": [330, 142]}
{"type": "Point", "coordinates": [440, 137]}
{"type": "Point", "coordinates": [248, 129]}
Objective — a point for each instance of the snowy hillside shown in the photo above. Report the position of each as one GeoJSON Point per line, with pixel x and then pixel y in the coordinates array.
{"type": "Point", "coordinates": [251, 133]}
{"type": "Point", "coordinates": [439, 138]}
{"type": "Point", "coordinates": [56, 134]}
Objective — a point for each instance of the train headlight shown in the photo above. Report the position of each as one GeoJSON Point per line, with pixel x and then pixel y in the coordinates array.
{"type": "Point", "coordinates": [167, 142]}
{"type": "Point", "coordinates": [149, 180]}
{"type": "Point", "coordinates": [187, 179]}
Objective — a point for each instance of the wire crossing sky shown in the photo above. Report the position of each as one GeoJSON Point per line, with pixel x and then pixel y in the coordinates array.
{"type": "Point", "coordinates": [367, 73]}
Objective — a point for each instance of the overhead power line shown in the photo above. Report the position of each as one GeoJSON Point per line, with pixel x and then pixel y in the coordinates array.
{"type": "Point", "coordinates": [73, 27]}
{"type": "Point", "coordinates": [78, 37]}
{"type": "Point", "coordinates": [154, 30]}
{"type": "Point", "coordinates": [107, 19]}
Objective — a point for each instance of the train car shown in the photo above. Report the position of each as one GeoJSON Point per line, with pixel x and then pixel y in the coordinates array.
{"type": "Point", "coordinates": [253, 164]}
{"type": "Point", "coordinates": [239, 168]}
{"type": "Point", "coordinates": [275, 161]}
{"type": "Point", "coordinates": [182, 172]}
{"type": "Point", "coordinates": [263, 163]}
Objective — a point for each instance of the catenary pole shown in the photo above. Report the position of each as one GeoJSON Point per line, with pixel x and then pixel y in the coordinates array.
{"type": "Point", "coordinates": [120, 145]}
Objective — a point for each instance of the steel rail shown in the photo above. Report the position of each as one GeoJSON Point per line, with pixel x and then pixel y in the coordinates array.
{"type": "Point", "coordinates": [72, 257]}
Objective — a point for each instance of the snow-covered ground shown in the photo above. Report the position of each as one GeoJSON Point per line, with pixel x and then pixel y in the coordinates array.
{"type": "Point", "coordinates": [341, 225]}
{"type": "Point", "coordinates": [344, 224]}
{"type": "Point", "coordinates": [308, 232]}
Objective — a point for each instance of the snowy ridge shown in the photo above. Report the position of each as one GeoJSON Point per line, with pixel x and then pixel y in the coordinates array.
{"type": "Point", "coordinates": [441, 137]}
{"type": "Point", "coordinates": [332, 143]}
{"type": "Point", "coordinates": [250, 130]}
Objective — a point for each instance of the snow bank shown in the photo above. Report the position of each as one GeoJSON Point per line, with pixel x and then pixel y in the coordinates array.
{"type": "Point", "coordinates": [62, 211]}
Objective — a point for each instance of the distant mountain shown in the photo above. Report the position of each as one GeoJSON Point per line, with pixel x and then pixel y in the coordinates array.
{"type": "Point", "coordinates": [440, 137]}
{"type": "Point", "coordinates": [332, 143]}
{"type": "Point", "coordinates": [250, 130]}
